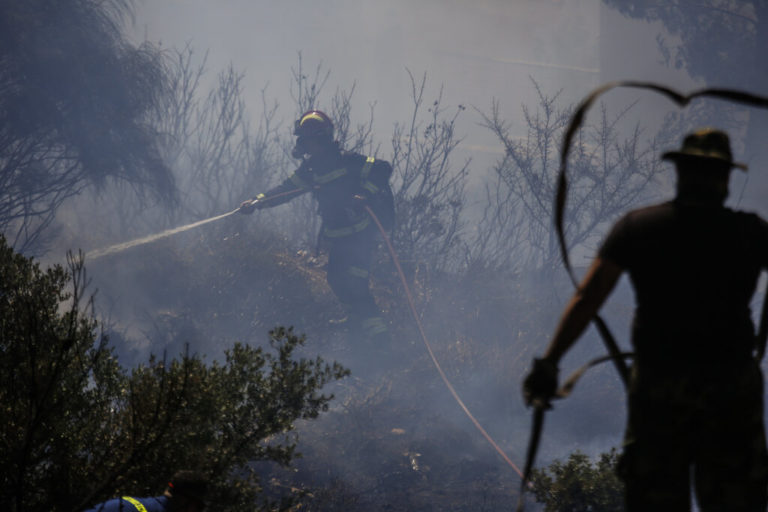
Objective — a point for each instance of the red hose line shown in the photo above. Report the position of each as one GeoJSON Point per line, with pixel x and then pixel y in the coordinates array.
{"type": "Point", "coordinates": [447, 382]}
{"type": "Point", "coordinates": [412, 305]}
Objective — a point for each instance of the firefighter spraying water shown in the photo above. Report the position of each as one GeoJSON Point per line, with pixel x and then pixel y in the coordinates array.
{"type": "Point", "coordinates": [344, 184]}
{"type": "Point", "coordinates": [350, 188]}
{"type": "Point", "coordinates": [356, 206]}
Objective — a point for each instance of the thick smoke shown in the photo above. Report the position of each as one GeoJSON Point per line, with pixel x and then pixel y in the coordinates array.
{"type": "Point", "coordinates": [236, 278]}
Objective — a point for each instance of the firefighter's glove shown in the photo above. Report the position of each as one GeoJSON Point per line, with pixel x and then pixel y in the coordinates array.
{"type": "Point", "coordinates": [250, 205]}
{"type": "Point", "coordinates": [540, 386]}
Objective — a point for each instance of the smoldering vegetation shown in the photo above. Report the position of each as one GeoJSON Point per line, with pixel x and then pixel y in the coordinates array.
{"type": "Point", "coordinates": [480, 259]}
{"type": "Point", "coordinates": [483, 272]}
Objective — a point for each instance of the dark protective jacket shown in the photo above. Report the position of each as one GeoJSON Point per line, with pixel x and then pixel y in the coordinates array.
{"type": "Point", "coordinates": [334, 183]}
{"type": "Point", "coordinates": [131, 504]}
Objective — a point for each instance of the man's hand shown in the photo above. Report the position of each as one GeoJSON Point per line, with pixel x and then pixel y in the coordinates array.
{"type": "Point", "coordinates": [540, 386]}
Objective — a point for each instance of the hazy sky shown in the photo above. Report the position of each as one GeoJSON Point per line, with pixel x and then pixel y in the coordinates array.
{"type": "Point", "coordinates": [477, 50]}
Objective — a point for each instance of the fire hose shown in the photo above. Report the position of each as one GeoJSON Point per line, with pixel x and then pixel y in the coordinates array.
{"type": "Point", "coordinates": [417, 320]}
{"type": "Point", "coordinates": [430, 351]}
{"type": "Point", "coordinates": [141, 241]}
{"type": "Point", "coordinates": [615, 355]}
{"type": "Point", "coordinates": [439, 368]}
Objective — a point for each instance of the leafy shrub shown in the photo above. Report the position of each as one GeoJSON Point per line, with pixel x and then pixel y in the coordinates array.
{"type": "Point", "coordinates": [79, 428]}
{"type": "Point", "coordinates": [578, 485]}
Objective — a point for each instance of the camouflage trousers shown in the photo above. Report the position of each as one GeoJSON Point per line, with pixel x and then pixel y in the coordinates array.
{"type": "Point", "coordinates": [705, 425]}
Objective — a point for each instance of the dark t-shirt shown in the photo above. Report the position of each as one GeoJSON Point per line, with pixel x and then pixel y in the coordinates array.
{"type": "Point", "coordinates": [694, 270]}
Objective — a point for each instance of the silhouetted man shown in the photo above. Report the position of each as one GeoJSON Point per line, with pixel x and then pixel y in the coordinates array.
{"type": "Point", "coordinates": [696, 390]}
{"type": "Point", "coordinates": [344, 184]}
{"type": "Point", "coordinates": [186, 492]}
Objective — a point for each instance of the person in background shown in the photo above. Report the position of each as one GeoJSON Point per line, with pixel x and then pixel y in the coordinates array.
{"type": "Point", "coordinates": [346, 186]}
{"type": "Point", "coordinates": [186, 492]}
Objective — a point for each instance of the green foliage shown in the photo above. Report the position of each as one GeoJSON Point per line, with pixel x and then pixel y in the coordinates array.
{"type": "Point", "coordinates": [79, 428]}
{"type": "Point", "coordinates": [56, 382]}
{"type": "Point", "coordinates": [578, 485]}
{"type": "Point", "coordinates": [217, 417]}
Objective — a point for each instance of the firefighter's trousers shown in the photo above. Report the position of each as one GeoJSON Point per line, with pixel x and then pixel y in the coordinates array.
{"type": "Point", "coordinates": [349, 263]}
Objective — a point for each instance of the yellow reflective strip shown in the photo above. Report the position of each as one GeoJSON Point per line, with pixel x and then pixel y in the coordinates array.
{"type": "Point", "coordinates": [325, 178]}
{"type": "Point", "coordinates": [136, 503]}
{"type": "Point", "coordinates": [367, 167]}
{"type": "Point", "coordinates": [309, 116]}
{"type": "Point", "coordinates": [335, 233]}
{"type": "Point", "coordinates": [298, 181]}
{"type": "Point", "coordinates": [358, 272]}
{"type": "Point", "coordinates": [366, 170]}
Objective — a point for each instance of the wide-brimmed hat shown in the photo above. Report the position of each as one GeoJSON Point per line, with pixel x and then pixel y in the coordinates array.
{"type": "Point", "coordinates": [707, 143]}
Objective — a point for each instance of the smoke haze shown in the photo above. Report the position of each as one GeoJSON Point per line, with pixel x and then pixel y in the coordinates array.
{"type": "Point", "coordinates": [475, 53]}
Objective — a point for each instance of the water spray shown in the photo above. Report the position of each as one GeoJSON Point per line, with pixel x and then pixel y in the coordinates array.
{"type": "Point", "coordinates": [151, 238]}
{"type": "Point", "coordinates": [98, 253]}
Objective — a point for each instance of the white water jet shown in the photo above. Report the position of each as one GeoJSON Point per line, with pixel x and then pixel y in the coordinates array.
{"type": "Point", "coordinates": [98, 253]}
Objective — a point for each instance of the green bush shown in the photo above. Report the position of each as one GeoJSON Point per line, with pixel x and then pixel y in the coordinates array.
{"type": "Point", "coordinates": [79, 428]}
{"type": "Point", "coordinates": [579, 486]}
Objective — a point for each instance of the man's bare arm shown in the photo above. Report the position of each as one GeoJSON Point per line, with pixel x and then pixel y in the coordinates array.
{"type": "Point", "coordinates": [594, 289]}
